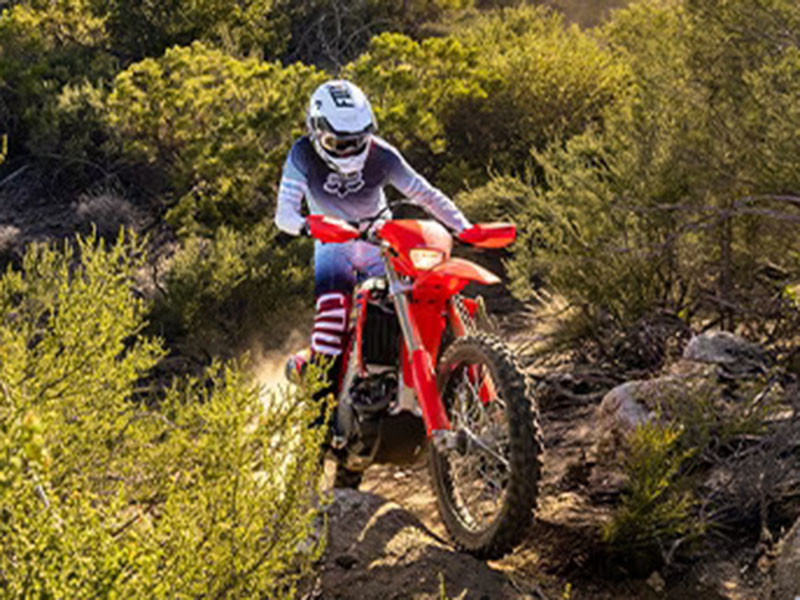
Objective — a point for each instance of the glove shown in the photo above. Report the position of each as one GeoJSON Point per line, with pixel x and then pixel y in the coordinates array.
{"type": "Point", "coordinates": [283, 238]}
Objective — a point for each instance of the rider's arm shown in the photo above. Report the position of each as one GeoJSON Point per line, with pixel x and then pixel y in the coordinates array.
{"type": "Point", "coordinates": [417, 189]}
{"type": "Point", "coordinates": [293, 186]}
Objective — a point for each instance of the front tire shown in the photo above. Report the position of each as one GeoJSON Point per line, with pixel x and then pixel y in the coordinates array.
{"type": "Point", "coordinates": [486, 482]}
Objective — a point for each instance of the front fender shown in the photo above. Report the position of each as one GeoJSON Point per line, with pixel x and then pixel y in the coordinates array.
{"type": "Point", "coordinates": [454, 273]}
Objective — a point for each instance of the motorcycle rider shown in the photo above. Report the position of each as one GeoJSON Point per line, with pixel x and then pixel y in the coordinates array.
{"type": "Point", "coordinates": [340, 167]}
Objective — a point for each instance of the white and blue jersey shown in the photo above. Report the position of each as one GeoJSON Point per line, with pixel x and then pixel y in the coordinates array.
{"type": "Point", "coordinates": [337, 267]}
{"type": "Point", "coordinates": [356, 197]}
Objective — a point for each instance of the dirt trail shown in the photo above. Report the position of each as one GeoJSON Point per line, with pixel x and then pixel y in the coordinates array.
{"type": "Point", "coordinates": [386, 541]}
{"type": "Point", "coordinates": [538, 569]}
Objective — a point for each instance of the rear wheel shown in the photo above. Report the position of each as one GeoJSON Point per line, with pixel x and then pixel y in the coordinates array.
{"type": "Point", "coordinates": [486, 478]}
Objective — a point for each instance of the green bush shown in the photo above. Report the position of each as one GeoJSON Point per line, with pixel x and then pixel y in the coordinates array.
{"type": "Point", "coordinates": [480, 99]}
{"type": "Point", "coordinates": [223, 294]}
{"type": "Point", "coordinates": [217, 128]}
{"type": "Point", "coordinates": [657, 505]}
{"type": "Point", "coordinates": [410, 85]}
{"type": "Point", "coordinates": [140, 30]}
{"type": "Point", "coordinates": [45, 46]}
{"type": "Point", "coordinates": [548, 81]}
{"type": "Point", "coordinates": [670, 500]}
{"type": "Point", "coordinates": [681, 199]}
{"type": "Point", "coordinates": [507, 198]}
{"type": "Point", "coordinates": [208, 488]}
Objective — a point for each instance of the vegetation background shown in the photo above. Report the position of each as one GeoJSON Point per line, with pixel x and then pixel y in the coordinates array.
{"type": "Point", "coordinates": [650, 156]}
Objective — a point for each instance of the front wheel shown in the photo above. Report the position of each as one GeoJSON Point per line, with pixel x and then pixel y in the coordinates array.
{"type": "Point", "coordinates": [486, 477]}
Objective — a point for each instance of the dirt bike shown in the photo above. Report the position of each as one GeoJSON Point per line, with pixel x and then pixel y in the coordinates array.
{"type": "Point", "coordinates": [417, 374]}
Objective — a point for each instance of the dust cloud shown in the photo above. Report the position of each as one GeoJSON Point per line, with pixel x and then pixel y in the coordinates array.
{"type": "Point", "coordinates": [269, 365]}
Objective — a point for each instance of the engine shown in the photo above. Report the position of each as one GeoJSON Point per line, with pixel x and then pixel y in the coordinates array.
{"type": "Point", "coordinates": [371, 390]}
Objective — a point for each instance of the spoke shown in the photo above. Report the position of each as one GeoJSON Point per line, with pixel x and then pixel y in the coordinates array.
{"type": "Point", "coordinates": [480, 470]}
{"type": "Point", "coordinates": [486, 448]}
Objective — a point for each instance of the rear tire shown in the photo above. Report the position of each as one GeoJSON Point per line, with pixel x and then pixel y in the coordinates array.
{"type": "Point", "coordinates": [494, 464]}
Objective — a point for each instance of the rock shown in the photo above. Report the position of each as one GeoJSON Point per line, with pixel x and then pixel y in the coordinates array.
{"type": "Point", "coordinates": [377, 549]}
{"type": "Point", "coordinates": [9, 238]}
{"type": "Point", "coordinates": [787, 566]}
{"type": "Point", "coordinates": [656, 582]}
{"type": "Point", "coordinates": [633, 403]}
{"type": "Point", "coordinates": [709, 360]}
{"type": "Point", "coordinates": [732, 352]}
{"type": "Point", "coordinates": [621, 407]}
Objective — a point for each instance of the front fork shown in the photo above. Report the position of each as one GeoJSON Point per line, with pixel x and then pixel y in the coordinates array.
{"type": "Point", "coordinates": [421, 362]}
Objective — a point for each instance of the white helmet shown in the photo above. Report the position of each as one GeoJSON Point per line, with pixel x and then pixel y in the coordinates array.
{"type": "Point", "coordinates": [340, 122]}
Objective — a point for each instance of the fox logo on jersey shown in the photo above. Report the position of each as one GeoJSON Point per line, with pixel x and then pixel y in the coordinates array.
{"type": "Point", "coordinates": [341, 186]}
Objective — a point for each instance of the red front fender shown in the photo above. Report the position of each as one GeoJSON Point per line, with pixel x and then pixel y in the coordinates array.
{"type": "Point", "coordinates": [454, 273]}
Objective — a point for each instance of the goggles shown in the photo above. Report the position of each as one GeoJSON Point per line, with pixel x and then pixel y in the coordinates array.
{"type": "Point", "coordinates": [343, 145]}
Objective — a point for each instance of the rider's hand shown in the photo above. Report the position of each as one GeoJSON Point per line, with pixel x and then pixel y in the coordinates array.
{"type": "Point", "coordinates": [370, 232]}
{"type": "Point", "coordinates": [283, 238]}
{"type": "Point", "coordinates": [467, 234]}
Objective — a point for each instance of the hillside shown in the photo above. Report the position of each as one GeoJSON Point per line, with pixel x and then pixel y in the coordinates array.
{"type": "Point", "coordinates": [649, 158]}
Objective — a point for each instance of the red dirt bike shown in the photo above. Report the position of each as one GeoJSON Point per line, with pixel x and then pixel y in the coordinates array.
{"type": "Point", "coordinates": [419, 375]}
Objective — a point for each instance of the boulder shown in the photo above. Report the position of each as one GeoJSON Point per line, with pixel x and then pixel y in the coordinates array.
{"type": "Point", "coordinates": [632, 404]}
{"type": "Point", "coordinates": [622, 408]}
{"type": "Point", "coordinates": [709, 360]}
{"type": "Point", "coordinates": [787, 566]}
{"type": "Point", "coordinates": [377, 549]}
{"type": "Point", "coordinates": [734, 354]}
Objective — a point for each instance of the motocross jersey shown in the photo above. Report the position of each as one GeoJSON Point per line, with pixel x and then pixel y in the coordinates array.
{"type": "Point", "coordinates": [358, 196]}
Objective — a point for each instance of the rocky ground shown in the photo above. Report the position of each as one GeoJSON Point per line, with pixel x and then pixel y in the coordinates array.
{"type": "Point", "coordinates": [386, 540]}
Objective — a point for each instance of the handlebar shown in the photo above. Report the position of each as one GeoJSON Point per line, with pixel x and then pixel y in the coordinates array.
{"type": "Point", "coordinates": [335, 230]}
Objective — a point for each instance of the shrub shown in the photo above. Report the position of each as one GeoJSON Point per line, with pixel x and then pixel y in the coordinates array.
{"type": "Point", "coordinates": [208, 488]}
{"type": "Point", "coordinates": [672, 498]}
{"type": "Point", "coordinates": [223, 294]}
{"type": "Point", "coordinates": [682, 199]}
{"type": "Point", "coordinates": [45, 46]}
{"type": "Point", "coordinates": [140, 30]}
{"type": "Point", "coordinates": [657, 505]}
{"type": "Point", "coordinates": [483, 97]}
{"type": "Point", "coordinates": [548, 82]}
{"type": "Point", "coordinates": [410, 85]}
{"type": "Point", "coordinates": [218, 128]}
{"type": "Point", "coordinates": [105, 210]}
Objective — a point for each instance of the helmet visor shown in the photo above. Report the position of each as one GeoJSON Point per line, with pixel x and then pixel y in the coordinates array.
{"type": "Point", "coordinates": [343, 145]}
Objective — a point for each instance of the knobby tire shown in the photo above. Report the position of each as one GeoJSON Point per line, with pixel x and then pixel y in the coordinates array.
{"type": "Point", "coordinates": [514, 516]}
